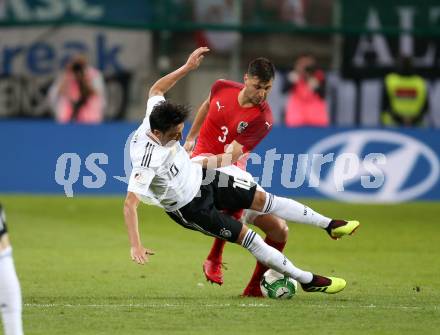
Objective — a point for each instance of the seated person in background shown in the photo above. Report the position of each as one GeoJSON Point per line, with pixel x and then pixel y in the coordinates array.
{"type": "Point", "coordinates": [77, 95]}
{"type": "Point", "coordinates": [405, 98]}
{"type": "Point", "coordinates": [305, 105]}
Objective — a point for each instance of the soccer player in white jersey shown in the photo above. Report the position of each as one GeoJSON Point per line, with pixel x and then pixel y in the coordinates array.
{"type": "Point", "coordinates": [194, 196]}
{"type": "Point", "coordinates": [10, 293]}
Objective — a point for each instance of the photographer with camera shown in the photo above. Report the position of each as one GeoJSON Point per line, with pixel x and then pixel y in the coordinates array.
{"type": "Point", "coordinates": [77, 95]}
{"type": "Point", "coordinates": [305, 104]}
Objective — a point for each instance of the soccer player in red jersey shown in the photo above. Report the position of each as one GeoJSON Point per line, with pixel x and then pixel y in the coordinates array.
{"type": "Point", "coordinates": [229, 124]}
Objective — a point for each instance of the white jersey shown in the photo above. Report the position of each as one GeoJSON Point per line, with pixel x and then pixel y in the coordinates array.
{"type": "Point", "coordinates": [161, 175]}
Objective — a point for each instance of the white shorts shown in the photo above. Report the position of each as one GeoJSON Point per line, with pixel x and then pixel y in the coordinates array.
{"type": "Point", "coordinates": [249, 215]}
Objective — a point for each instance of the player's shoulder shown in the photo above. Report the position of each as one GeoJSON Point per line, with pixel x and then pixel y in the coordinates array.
{"type": "Point", "coordinates": [151, 154]}
{"type": "Point", "coordinates": [265, 107]}
{"type": "Point", "coordinates": [266, 111]}
{"type": "Point", "coordinates": [261, 111]}
{"type": "Point", "coordinates": [224, 83]}
{"type": "Point", "coordinates": [261, 115]}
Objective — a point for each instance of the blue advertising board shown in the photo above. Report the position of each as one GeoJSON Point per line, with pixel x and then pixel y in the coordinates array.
{"type": "Point", "coordinates": [18, 12]}
{"type": "Point", "coordinates": [357, 165]}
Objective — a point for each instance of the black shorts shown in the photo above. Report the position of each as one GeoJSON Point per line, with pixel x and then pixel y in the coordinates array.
{"type": "Point", "coordinates": [218, 192]}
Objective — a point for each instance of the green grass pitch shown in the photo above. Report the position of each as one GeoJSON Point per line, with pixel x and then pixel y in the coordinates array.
{"type": "Point", "coordinates": [72, 257]}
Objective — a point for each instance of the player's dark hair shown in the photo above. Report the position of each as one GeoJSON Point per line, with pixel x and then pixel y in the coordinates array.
{"type": "Point", "coordinates": [261, 68]}
{"type": "Point", "coordinates": [166, 115]}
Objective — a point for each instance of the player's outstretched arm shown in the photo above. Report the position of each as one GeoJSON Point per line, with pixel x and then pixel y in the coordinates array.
{"type": "Point", "coordinates": [165, 83]}
{"type": "Point", "coordinates": [138, 253]}
{"type": "Point", "coordinates": [232, 154]}
{"type": "Point", "coordinates": [197, 124]}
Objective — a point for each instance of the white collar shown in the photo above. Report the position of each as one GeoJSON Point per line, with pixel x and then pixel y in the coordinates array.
{"type": "Point", "coordinates": [153, 137]}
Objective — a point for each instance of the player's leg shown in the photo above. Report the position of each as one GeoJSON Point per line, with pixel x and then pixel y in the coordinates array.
{"type": "Point", "coordinates": [201, 215]}
{"type": "Point", "coordinates": [292, 210]}
{"type": "Point", "coordinates": [297, 212]}
{"type": "Point", "coordinates": [233, 193]}
{"type": "Point", "coordinates": [275, 260]}
{"type": "Point", "coordinates": [10, 293]}
{"type": "Point", "coordinates": [276, 231]}
{"type": "Point", "coordinates": [213, 264]}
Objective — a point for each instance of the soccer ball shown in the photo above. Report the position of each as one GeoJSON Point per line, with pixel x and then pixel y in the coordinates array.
{"type": "Point", "coordinates": [277, 286]}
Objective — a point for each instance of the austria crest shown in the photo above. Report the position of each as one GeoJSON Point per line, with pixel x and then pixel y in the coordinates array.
{"type": "Point", "coordinates": [242, 125]}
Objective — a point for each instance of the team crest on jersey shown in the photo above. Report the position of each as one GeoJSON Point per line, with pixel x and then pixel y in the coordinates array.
{"type": "Point", "coordinates": [242, 125]}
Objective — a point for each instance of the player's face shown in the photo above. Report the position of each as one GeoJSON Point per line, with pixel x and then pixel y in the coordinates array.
{"type": "Point", "coordinates": [171, 136]}
{"type": "Point", "coordinates": [256, 91]}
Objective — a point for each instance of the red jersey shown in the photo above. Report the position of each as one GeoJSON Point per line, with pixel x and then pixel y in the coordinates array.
{"type": "Point", "coordinates": [228, 121]}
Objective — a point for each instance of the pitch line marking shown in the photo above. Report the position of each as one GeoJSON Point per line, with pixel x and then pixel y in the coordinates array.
{"type": "Point", "coordinates": [260, 305]}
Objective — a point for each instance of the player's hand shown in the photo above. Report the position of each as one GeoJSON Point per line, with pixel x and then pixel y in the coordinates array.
{"type": "Point", "coordinates": [189, 146]}
{"type": "Point", "coordinates": [196, 58]}
{"type": "Point", "coordinates": [140, 254]}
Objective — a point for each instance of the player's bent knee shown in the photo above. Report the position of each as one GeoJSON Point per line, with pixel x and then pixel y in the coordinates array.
{"type": "Point", "coordinates": [279, 233]}
{"type": "Point", "coordinates": [259, 201]}
{"type": "Point", "coordinates": [283, 230]}
{"type": "Point", "coordinates": [244, 230]}
{"type": "Point", "coordinates": [274, 227]}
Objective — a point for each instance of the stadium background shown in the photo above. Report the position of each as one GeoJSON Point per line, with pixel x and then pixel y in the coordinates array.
{"type": "Point", "coordinates": [133, 43]}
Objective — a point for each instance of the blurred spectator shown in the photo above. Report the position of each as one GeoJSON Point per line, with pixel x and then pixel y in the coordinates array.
{"type": "Point", "coordinates": [217, 12]}
{"type": "Point", "coordinates": [292, 11]}
{"type": "Point", "coordinates": [405, 97]}
{"type": "Point", "coordinates": [305, 104]}
{"type": "Point", "coordinates": [286, 11]}
{"type": "Point", "coordinates": [77, 95]}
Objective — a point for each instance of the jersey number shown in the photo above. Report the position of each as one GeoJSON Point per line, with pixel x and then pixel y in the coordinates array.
{"type": "Point", "coordinates": [242, 183]}
{"type": "Point", "coordinates": [225, 132]}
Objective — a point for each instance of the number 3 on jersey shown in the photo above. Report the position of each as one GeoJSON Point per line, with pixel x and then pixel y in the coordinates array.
{"type": "Point", "coordinates": [225, 132]}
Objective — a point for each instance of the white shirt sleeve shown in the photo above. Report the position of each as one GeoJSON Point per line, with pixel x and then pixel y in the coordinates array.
{"type": "Point", "coordinates": [140, 180]}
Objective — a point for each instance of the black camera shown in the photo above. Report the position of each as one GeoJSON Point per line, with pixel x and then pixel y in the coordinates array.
{"type": "Point", "coordinates": [310, 69]}
{"type": "Point", "coordinates": [78, 67]}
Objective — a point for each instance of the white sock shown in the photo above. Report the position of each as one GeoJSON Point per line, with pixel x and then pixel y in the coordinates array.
{"type": "Point", "coordinates": [292, 210]}
{"type": "Point", "coordinates": [272, 258]}
{"type": "Point", "coordinates": [10, 295]}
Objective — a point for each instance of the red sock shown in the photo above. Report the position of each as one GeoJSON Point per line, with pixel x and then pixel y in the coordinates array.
{"type": "Point", "coordinates": [260, 269]}
{"type": "Point", "coordinates": [217, 250]}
